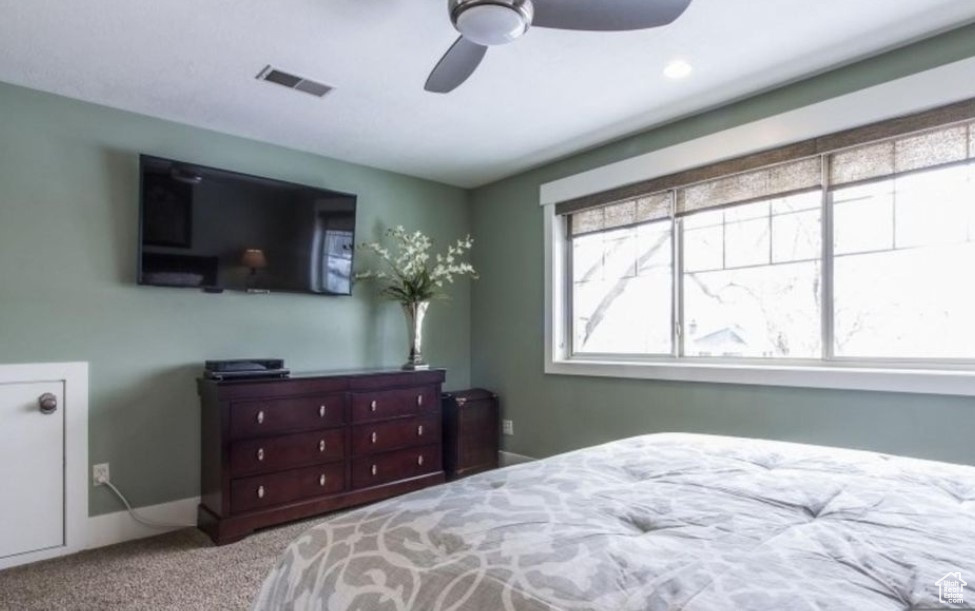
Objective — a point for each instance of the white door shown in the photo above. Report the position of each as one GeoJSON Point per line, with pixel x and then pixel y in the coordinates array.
{"type": "Point", "coordinates": [31, 467]}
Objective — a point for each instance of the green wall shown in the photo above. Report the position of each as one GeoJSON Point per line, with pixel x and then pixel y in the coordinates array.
{"type": "Point", "coordinates": [555, 413]}
{"type": "Point", "coordinates": [68, 216]}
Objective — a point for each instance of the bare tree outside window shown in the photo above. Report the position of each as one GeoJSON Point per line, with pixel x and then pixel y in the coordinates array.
{"type": "Point", "coordinates": [622, 290]}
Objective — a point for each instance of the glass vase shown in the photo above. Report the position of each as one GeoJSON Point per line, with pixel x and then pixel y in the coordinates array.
{"type": "Point", "coordinates": [415, 313]}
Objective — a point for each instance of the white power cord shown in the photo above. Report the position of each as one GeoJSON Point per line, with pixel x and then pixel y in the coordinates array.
{"type": "Point", "coordinates": [135, 514]}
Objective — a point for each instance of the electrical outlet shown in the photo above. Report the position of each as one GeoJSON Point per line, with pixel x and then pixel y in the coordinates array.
{"type": "Point", "coordinates": [99, 474]}
{"type": "Point", "coordinates": [507, 427]}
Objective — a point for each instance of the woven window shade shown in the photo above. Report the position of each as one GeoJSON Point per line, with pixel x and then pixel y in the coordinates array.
{"type": "Point", "coordinates": [906, 154]}
{"type": "Point", "coordinates": [777, 180]}
{"type": "Point", "coordinates": [971, 141]}
{"type": "Point", "coordinates": [908, 143]}
{"type": "Point", "coordinates": [621, 214]}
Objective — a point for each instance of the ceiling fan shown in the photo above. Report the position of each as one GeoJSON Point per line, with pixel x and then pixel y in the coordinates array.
{"type": "Point", "coordinates": [485, 23]}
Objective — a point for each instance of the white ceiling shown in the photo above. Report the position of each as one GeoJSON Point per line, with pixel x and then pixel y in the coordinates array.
{"type": "Point", "coordinates": [547, 95]}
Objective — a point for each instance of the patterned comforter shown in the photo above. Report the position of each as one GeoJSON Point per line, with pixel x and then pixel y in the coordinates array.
{"type": "Point", "coordinates": [668, 521]}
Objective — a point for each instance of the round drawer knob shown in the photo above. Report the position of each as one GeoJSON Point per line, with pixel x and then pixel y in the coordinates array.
{"type": "Point", "coordinates": [419, 460]}
{"type": "Point", "coordinates": [47, 403]}
{"type": "Point", "coordinates": [260, 453]}
{"type": "Point", "coordinates": [321, 445]}
{"type": "Point", "coordinates": [419, 431]}
{"type": "Point", "coordinates": [260, 417]}
{"type": "Point", "coordinates": [373, 437]}
{"type": "Point", "coordinates": [321, 411]}
{"type": "Point", "coordinates": [373, 405]}
{"type": "Point", "coordinates": [321, 479]}
{"type": "Point", "coordinates": [374, 469]}
{"type": "Point", "coordinates": [260, 492]}
{"type": "Point", "coordinates": [419, 399]}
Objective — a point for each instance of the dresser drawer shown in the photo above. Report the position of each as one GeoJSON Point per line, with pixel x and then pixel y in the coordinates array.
{"type": "Point", "coordinates": [253, 418]}
{"type": "Point", "coordinates": [390, 466]}
{"type": "Point", "coordinates": [278, 488]}
{"type": "Point", "coordinates": [393, 434]}
{"type": "Point", "coordinates": [286, 452]}
{"type": "Point", "coordinates": [383, 404]}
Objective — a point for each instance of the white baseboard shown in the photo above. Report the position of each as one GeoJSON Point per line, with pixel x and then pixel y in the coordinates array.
{"type": "Point", "coordinates": [507, 459]}
{"type": "Point", "coordinates": [111, 528]}
{"type": "Point", "coordinates": [118, 527]}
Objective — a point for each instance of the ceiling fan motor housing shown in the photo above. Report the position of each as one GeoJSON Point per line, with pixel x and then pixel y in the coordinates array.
{"type": "Point", "coordinates": [491, 22]}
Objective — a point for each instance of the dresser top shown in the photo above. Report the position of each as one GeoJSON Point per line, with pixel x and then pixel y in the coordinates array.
{"type": "Point", "coordinates": [329, 373]}
{"type": "Point", "coordinates": [323, 381]}
{"type": "Point", "coordinates": [345, 373]}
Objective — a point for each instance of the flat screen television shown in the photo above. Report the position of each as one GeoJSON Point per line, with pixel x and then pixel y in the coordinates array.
{"type": "Point", "coordinates": [218, 230]}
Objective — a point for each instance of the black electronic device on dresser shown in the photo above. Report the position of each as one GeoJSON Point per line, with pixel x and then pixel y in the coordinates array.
{"type": "Point", "coordinates": [245, 368]}
{"type": "Point", "coordinates": [472, 432]}
{"type": "Point", "coordinates": [276, 450]}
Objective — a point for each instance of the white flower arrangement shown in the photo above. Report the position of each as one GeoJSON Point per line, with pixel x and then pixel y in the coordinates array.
{"type": "Point", "coordinates": [407, 271]}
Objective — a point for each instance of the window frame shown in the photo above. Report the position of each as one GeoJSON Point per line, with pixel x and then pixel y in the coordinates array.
{"type": "Point", "coordinates": [892, 374]}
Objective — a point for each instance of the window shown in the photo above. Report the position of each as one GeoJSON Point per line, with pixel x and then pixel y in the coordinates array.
{"type": "Point", "coordinates": [859, 254]}
{"type": "Point", "coordinates": [622, 279]}
{"type": "Point", "coordinates": [621, 290]}
{"type": "Point", "coordinates": [903, 255]}
{"type": "Point", "coordinates": [751, 279]}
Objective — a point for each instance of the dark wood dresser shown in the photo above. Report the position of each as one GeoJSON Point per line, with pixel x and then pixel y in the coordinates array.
{"type": "Point", "coordinates": [472, 432]}
{"type": "Point", "coordinates": [283, 449]}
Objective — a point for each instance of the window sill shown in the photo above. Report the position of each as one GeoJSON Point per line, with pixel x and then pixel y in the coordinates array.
{"type": "Point", "coordinates": [838, 377]}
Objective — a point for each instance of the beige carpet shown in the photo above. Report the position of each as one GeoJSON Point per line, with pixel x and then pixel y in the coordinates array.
{"type": "Point", "coordinates": [179, 570]}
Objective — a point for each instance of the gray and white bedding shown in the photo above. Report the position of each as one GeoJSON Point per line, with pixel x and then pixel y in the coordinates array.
{"type": "Point", "coordinates": [662, 522]}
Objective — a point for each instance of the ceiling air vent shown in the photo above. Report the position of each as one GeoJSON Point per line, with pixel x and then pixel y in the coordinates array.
{"type": "Point", "coordinates": [273, 75]}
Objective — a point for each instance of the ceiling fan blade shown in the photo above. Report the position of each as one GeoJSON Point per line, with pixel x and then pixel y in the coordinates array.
{"type": "Point", "coordinates": [606, 15]}
{"type": "Point", "coordinates": [457, 64]}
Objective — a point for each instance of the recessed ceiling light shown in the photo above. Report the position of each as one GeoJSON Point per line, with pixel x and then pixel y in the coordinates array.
{"type": "Point", "coordinates": [678, 69]}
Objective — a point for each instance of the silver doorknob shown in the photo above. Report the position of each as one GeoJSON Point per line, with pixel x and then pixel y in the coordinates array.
{"type": "Point", "coordinates": [47, 403]}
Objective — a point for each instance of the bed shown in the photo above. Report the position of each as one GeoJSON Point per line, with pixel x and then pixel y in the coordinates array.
{"type": "Point", "coordinates": [662, 522]}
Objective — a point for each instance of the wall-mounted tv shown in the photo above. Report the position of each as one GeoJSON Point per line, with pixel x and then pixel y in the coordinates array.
{"type": "Point", "coordinates": [218, 230]}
